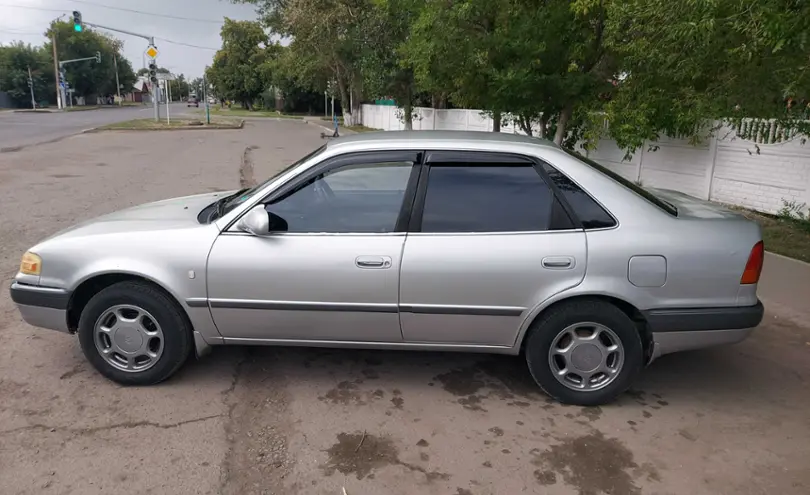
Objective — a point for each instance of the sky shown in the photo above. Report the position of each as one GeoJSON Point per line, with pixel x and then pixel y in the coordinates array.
{"type": "Point", "coordinates": [26, 20]}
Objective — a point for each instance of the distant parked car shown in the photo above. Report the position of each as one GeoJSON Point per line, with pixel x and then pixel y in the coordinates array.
{"type": "Point", "coordinates": [444, 241]}
{"type": "Point", "coordinates": [192, 100]}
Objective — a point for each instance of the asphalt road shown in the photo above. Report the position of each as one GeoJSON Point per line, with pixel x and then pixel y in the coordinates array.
{"type": "Point", "coordinates": [244, 421]}
{"type": "Point", "coordinates": [28, 128]}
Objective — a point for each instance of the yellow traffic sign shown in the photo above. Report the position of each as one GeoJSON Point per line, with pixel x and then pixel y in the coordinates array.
{"type": "Point", "coordinates": [151, 52]}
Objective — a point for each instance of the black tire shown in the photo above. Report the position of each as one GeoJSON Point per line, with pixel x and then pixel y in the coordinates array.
{"type": "Point", "coordinates": [544, 330]}
{"type": "Point", "coordinates": [177, 332]}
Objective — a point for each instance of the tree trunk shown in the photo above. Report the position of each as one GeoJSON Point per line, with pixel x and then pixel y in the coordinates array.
{"type": "Point", "coordinates": [356, 101]}
{"type": "Point", "coordinates": [562, 122]}
{"type": "Point", "coordinates": [407, 109]}
{"type": "Point", "coordinates": [496, 121]}
{"type": "Point", "coordinates": [525, 124]}
{"type": "Point", "coordinates": [344, 97]}
{"type": "Point", "coordinates": [542, 127]}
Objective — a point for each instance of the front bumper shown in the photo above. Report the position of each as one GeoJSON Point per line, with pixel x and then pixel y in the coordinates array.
{"type": "Point", "coordinates": [44, 307]}
{"type": "Point", "coordinates": [675, 330]}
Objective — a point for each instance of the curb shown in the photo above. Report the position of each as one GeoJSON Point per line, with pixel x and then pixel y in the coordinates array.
{"type": "Point", "coordinates": [35, 111]}
{"type": "Point", "coordinates": [93, 130]}
{"type": "Point", "coordinates": [185, 128]}
{"type": "Point", "coordinates": [330, 130]}
{"type": "Point", "coordinates": [787, 258]}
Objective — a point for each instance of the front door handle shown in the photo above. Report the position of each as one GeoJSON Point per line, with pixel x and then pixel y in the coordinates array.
{"type": "Point", "coordinates": [379, 262]}
{"type": "Point", "coordinates": [558, 262]}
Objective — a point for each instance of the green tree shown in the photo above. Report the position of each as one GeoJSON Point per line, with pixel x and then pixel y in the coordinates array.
{"type": "Point", "coordinates": [90, 78]}
{"type": "Point", "coordinates": [241, 67]}
{"type": "Point", "coordinates": [686, 63]}
{"type": "Point", "coordinates": [541, 61]}
{"type": "Point", "coordinates": [15, 60]}
{"type": "Point", "coordinates": [179, 87]}
{"type": "Point", "coordinates": [327, 42]}
{"type": "Point", "coordinates": [384, 70]}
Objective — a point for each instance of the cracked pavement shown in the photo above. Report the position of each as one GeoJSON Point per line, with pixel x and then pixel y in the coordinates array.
{"type": "Point", "coordinates": [312, 421]}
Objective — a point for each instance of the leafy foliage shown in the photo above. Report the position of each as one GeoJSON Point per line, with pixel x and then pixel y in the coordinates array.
{"type": "Point", "coordinates": [15, 59]}
{"type": "Point", "coordinates": [90, 78]}
{"type": "Point", "coordinates": [241, 68]}
{"type": "Point", "coordinates": [572, 69]}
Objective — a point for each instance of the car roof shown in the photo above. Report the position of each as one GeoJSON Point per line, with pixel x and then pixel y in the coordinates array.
{"type": "Point", "coordinates": [428, 137]}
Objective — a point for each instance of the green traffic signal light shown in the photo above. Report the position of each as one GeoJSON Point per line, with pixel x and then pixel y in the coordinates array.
{"type": "Point", "coordinates": [77, 21]}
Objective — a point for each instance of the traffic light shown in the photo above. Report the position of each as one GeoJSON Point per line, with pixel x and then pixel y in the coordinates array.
{"type": "Point", "coordinates": [98, 57]}
{"type": "Point", "coordinates": [153, 72]}
{"type": "Point", "coordinates": [77, 21]}
{"type": "Point", "coordinates": [61, 77]}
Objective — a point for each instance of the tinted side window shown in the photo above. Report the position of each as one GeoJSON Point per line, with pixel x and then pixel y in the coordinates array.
{"type": "Point", "coordinates": [363, 198]}
{"type": "Point", "coordinates": [589, 212]}
{"type": "Point", "coordinates": [486, 198]}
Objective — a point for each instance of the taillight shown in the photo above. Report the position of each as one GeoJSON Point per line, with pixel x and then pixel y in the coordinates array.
{"type": "Point", "coordinates": [754, 266]}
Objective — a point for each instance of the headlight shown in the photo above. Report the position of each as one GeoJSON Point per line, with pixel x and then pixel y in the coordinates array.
{"type": "Point", "coordinates": [31, 264]}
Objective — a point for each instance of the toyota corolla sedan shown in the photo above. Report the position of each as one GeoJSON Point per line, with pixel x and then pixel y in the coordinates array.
{"type": "Point", "coordinates": [442, 241]}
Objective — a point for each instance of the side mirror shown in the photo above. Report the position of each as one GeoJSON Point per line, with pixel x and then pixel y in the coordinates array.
{"type": "Point", "coordinates": [256, 221]}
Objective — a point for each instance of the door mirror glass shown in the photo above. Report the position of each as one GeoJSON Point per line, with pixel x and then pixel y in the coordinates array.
{"type": "Point", "coordinates": [256, 221]}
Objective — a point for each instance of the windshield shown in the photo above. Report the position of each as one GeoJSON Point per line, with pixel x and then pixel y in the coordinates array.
{"type": "Point", "coordinates": [667, 207]}
{"type": "Point", "coordinates": [249, 193]}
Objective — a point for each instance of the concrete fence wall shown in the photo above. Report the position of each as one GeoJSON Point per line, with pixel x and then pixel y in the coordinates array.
{"type": "Point", "coordinates": [759, 171]}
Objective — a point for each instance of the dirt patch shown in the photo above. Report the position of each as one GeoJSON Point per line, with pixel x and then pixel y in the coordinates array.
{"type": "Point", "coordinates": [687, 435]}
{"type": "Point", "coordinates": [592, 413]}
{"type": "Point", "coordinates": [246, 176]}
{"type": "Point", "coordinates": [257, 460]}
{"type": "Point", "coordinates": [397, 400]}
{"type": "Point", "coordinates": [512, 374]}
{"type": "Point", "coordinates": [360, 453]}
{"type": "Point", "coordinates": [496, 378]}
{"type": "Point", "coordinates": [348, 393]}
{"type": "Point", "coordinates": [472, 403]}
{"type": "Point", "coordinates": [498, 432]}
{"type": "Point", "coordinates": [593, 464]}
{"type": "Point", "coordinates": [460, 381]}
{"type": "Point", "coordinates": [545, 477]}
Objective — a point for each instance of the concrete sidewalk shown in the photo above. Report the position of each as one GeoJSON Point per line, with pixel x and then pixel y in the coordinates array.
{"type": "Point", "coordinates": [785, 286]}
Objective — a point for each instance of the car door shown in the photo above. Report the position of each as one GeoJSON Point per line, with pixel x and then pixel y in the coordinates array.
{"type": "Point", "coordinates": [488, 241]}
{"type": "Point", "coordinates": [330, 270]}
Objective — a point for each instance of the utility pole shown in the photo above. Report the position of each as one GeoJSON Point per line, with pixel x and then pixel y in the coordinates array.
{"type": "Point", "coordinates": [56, 71]}
{"type": "Point", "coordinates": [31, 85]}
{"type": "Point", "coordinates": [167, 83]}
{"type": "Point", "coordinates": [205, 96]}
{"type": "Point", "coordinates": [117, 84]}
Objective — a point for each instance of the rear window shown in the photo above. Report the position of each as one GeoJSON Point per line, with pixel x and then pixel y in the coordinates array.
{"type": "Point", "coordinates": [667, 207]}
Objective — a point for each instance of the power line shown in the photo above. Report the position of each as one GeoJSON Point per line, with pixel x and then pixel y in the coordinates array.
{"type": "Point", "coordinates": [186, 44]}
{"type": "Point", "coordinates": [123, 9]}
{"type": "Point", "coordinates": [32, 8]}
{"type": "Point", "coordinates": [167, 16]}
{"type": "Point", "coordinates": [20, 33]}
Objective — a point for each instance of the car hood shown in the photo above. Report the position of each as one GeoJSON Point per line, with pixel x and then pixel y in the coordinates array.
{"type": "Point", "coordinates": [175, 213]}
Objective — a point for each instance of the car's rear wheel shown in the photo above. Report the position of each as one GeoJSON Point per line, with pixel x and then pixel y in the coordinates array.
{"type": "Point", "coordinates": [134, 334]}
{"type": "Point", "coordinates": [585, 352]}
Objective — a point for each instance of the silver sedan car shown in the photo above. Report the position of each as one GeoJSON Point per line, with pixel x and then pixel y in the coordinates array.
{"type": "Point", "coordinates": [445, 241]}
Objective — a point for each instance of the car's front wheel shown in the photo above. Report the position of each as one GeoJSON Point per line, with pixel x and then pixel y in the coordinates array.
{"type": "Point", "coordinates": [134, 334]}
{"type": "Point", "coordinates": [585, 352]}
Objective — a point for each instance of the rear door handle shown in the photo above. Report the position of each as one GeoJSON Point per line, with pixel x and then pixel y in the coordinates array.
{"type": "Point", "coordinates": [378, 262]}
{"type": "Point", "coordinates": [558, 262]}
